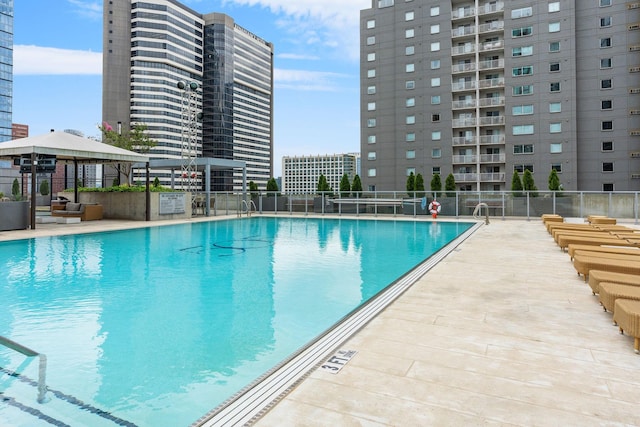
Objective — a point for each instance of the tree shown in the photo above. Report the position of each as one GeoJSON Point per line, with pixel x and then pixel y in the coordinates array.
{"type": "Point", "coordinates": [156, 182]}
{"type": "Point", "coordinates": [15, 189]}
{"type": "Point", "coordinates": [411, 184]}
{"type": "Point", "coordinates": [134, 140]}
{"type": "Point", "coordinates": [554, 181]}
{"type": "Point", "coordinates": [253, 189]}
{"type": "Point", "coordinates": [356, 186]}
{"type": "Point", "coordinates": [345, 187]}
{"type": "Point", "coordinates": [436, 184]}
{"type": "Point", "coordinates": [272, 187]}
{"type": "Point", "coordinates": [450, 185]}
{"type": "Point", "coordinates": [44, 188]}
{"type": "Point", "coordinates": [323, 186]}
{"type": "Point", "coordinates": [419, 183]}
{"type": "Point", "coordinates": [516, 184]}
{"type": "Point", "coordinates": [528, 184]}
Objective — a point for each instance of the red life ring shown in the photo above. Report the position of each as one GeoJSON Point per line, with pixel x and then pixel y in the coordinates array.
{"type": "Point", "coordinates": [434, 207]}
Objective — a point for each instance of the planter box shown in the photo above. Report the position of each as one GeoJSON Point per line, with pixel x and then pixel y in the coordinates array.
{"type": "Point", "coordinates": [132, 206]}
{"type": "Point", "coordinates": [14, 215]}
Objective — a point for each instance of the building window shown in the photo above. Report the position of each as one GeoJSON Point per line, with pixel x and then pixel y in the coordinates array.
{"type": "Point", "coordinates": [607, 167]}
{"type": "Point", "coordinates": [371, 172]}
{"type": "Point", "coordinates": [522, 51]}
{"type": "Point", "coordinates": [436, 153]}
{"type": "Point", "coordinates": [371, 155]}
{"type": "Point", "coordinates": [435, 11]}
{"type": "Point", "coordinates": [555, 107]}
{"type": "Point", "coordinates": [521, 13]}
{"type": "Point", "coordinates": [409, 68]}
{"type": "Point", "coordinates": [555, 148]}
{"type": "Point", "coordinates": [371, 40]}
{"type": "Point", "coordinates": [371, 23]}
{"type": "Point", "coordinates": [410, 137]}
{"type": "Point", "coordinates": [435, 29]}
{"type": "Point", "coordinates": [605, 84]}
{"type": "Point", "coordinates": [435, 99]}
{"type": "Point", "coordinates": [411, 171]}
{"type": "Point", "coordinates": [435, 64]}
{"type": "Point", "coordinates": [557, 167]}
{"type": "Point", "coordinates": [371, 90]}
{"type": "Point", "coordinates": [606, 63]}
{"type": "Point", "coordinates": [409, 16]}
{"type": "Point", "coordinates": [411, 154]}
{"type": "Point", "coordinates": [554, 6]}
{"type": "Point", "coordinates": [554, 87]}
{"type": "Point", "coordinates": [521, 32]}
{"type": "Point", "coordinates": [606, 104]}
{"type": "Point", "coordinates": [522, 71]}
{"type": "Point", "coordinates": [435, 170]}
{"type": "Point", "coordinates": [371, 123]}
{"type": "Point", "coordinates": [435, 81]}
{"type": "Point", "coordinates": [435, 117]}
{"type": "Point", "coordinates": [371, 57]}
{"type": "Point", "coordinates": [522, 110]}
{"type": "Point", "coordinates": [604, 3]}
{"type": "Point", "coordinates": [605, 21]}
{"type": "Point", "coordinates": [522, 168]}
{"type": "Point", "coordinates": [605, 42]}
{"type": "Point", "coordinates": [409, 50]}
{"type": "Point", "coordinates": [606, 125]}
{"type": "Point", "coordinates": [410, 102]}
{"type": "Point", "coordinates": [555, 127]}
{"type": "Point", "coordinates": [435, 46]}
{"type": "Point", "coordinates": [522, 90]}
{"type": "Point", "coordinates": [554, 67]}
{"type": "Point", "coordinates": [410, 84]}
{"type": "Point", "coordinates": [607, 145]}
{"type": "Point", "coordinates": [607, 187]}
{"type": "Point", "coordinates": [523, 130]}
{"type": "Point", "coordinates": [523, 149]}
{"type": "Point", "coordinates": [409, 34]}
{"type": "Point", "coordinates": [371, 139]}
{"type": "Point", "coordinates": [554, 27]}
{"type": "Point", "coordinates": [371, 73]}
{"type": "Point", "coordinates": [410, 120]}
{"type": "Point", "coordinates": [554, 46]}
{"type": "Point", "coordinates": [436, 135]}
{"type": "Point", "coordinates": [371, 106]}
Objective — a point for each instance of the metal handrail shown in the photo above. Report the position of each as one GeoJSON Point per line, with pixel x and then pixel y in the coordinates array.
{"type": "Point", "coordinates": [478, 211]}
{"type": "Point", "coordinates": [42, 367]}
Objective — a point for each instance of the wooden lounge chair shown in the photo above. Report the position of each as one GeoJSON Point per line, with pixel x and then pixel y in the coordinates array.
{"type": "Point", "coordinates": [626, 314]}
{"type": "Point", "coordinates": [628, 250]}
{"type": "Point", "coordinates": [598, 276]}
{"type": "Point", "coordinates": [583, 263]}
{"type": "Point", "coordinates": [565, 240]}
{"type": "Point", "coordinates": [567, 226]}
{"type": "Point", "coordinates": [586, 233]}
{"type": "Point", "coordinates": [609, 292]}
{"type": "Point", "coordinates": [603, 221]}
{"type": "Point", "coordinates": [551, 218]}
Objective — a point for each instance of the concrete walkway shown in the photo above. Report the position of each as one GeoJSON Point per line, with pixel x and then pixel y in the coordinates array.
{"type": "Point", "coordinates": [502, 332]}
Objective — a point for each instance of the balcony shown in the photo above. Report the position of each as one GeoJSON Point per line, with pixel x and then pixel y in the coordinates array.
{"type": "Point", "coordinates": [459, 105]}
{"type": "Point", "coordinates": [463, 123]}
{"type": "Point", "coordinates": [484, 177]}
{"type": "Point", "coordinates": [463, 13]}
{"type": "Point", "coordinates": [466, 85]}
{"type": "Point", "coordinates": [464, 68]}
{"type": "Point", "coordinates": [492, 121]}
{"type": "Point", "coordinates": [491, 27]}
{"type": "Point", "coordinates": [463, 31]}
{"type": "Point", "coordinates": [463, 50]}
{"type": "Point", "coordinates": [463, 141]}
{"type": "Point", "coordinates": [491, 102]}
{"type": "Point", "coordinates": [492, 139]}
{"type": "Point", "coordinates": [493, 64]}
{"type": "Point", "coordinates": [465, 177]}
{"type": "Point", "coordinates": [457, 160]}
{"type": "Point", "coordinates": [493, 158]}
{"type": "Point", "coordinates": [491, 83]}
{"type": "Point", "coordinates": [490, 8]}
{"type": "Point", "coordinates": [489, 46]}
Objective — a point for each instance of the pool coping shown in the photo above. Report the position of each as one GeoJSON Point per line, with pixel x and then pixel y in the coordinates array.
{"type": "Point", "coordinates": [255, 400]}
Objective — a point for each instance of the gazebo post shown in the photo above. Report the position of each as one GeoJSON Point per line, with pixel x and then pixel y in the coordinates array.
{"type": "Point", "coordinates": [148, 196]}
{"type": "Point", "coordinates": [34, 201]}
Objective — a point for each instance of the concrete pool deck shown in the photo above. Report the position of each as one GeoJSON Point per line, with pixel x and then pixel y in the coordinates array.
{"type": "Point", "coordinates": [501, 332]}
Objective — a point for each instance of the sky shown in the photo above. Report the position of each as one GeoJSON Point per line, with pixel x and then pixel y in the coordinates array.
{"type": "Point", "coordinates": [58, 66]}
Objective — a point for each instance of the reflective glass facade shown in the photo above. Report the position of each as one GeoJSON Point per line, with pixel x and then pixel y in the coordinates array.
{"type": "Point", "coordinates": [6, 68]}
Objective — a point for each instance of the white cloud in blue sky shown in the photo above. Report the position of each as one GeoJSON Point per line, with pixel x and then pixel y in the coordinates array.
{"type": "Point", "coordinates": [316, 67]}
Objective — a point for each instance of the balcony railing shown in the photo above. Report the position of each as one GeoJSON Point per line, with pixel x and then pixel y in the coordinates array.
{"type": "Point", "coordinates": [462, 159]}
{"type": "Point", "coordinates": [463, 140]}
{"type": "Point", "coordinates": [457, 105]}
{"type": "Point", "coordinates": [463, 13]}
{"type": "Point", "coordinates": [491, 26]}
{"type": "Point", "coordinates": [491, 83]}
{"type": "Point", "coordinates": [463, 31]}
{"type": "Point", "coordinates": [491, 139]}
{"type": "Point", "coordinates": [464, 122]}
{"type": "Point", "coordinates": [463, 50]}
{"type": "Point", "coordinates": [492, 121]}
{"type": "Point", "coordinates": [495, 45]}
{"type": "Point", "coordinates": [464, 68]}
{"type": "Point", "coordinates": [490, 8]}
{"type": "Point", "coordinates": [494, 63]}
{"type": "Point", "coordinates": [466, 85]}
{"type": "Point", "coordinates": [491, 102]}
{"type": "Point", "coordinates": [493, 158]}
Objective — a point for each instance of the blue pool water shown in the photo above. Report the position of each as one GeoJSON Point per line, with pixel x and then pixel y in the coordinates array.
{"type": "Point", "coordinates": [156, 326]}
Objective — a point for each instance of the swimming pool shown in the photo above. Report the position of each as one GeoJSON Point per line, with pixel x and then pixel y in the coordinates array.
{"type": "Point", "coordinates": [156, 326]}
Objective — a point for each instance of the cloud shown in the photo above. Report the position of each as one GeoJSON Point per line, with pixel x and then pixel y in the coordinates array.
{"type": "Point", "coordinates": [318, 81]}
{"type": "Point", "coordinates": [88, 9]}
{"type": "Point", "coordinates": [37, 60]}
{"type": "Point", "coordinates": [300, 57]}
{"type": "Point", "coordinates": [327, 23]}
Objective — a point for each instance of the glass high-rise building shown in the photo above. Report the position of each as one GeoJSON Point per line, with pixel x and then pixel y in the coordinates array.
{"type": "Point", "coordinates": [149, 47]}
{"type": "Point", "coordinates": [482, 89]}
{"type": "Point", "coordinates": [6, 68]}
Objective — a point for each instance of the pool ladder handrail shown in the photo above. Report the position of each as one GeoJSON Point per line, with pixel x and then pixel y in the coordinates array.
{"type": "Point", "coordinates": [477, 211]}
{"type": "Point", "coordinates": [42, 367]}
{"type": "Point", "coordinates": [248, 206]}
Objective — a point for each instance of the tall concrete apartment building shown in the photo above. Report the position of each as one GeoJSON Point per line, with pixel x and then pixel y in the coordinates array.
{"type": "Point", "coordinates": [6, 69]}
{"type": "Point", "coordinates": [151, 46]}
{"type": "Point", "coordinates": [484, 88]}
{"type": "Point", "coordinates": [300, 174]}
